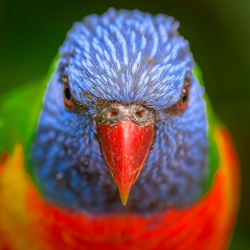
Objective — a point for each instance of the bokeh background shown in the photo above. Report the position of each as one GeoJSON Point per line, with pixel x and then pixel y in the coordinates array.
{"type": "Point", "coordinates": [219, 34]}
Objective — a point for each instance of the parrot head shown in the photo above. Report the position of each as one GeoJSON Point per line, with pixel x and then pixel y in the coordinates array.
{"type": "Point", "coordinates": [123, 116]}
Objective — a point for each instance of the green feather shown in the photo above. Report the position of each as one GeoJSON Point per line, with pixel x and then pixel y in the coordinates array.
{"type": "Point", "coordinates": [213, 159]}
{"type": "Point", "coordinates": [19, 113]}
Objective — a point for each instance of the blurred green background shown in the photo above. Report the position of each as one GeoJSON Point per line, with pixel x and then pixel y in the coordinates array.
{"type": "Point", "coordinates": [219, 34]}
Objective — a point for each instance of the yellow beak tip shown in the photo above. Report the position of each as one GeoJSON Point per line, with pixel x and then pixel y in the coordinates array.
{"type": "Point", "coordinates": [124, 199]}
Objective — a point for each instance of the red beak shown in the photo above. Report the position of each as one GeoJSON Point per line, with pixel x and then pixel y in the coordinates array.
{"type": "Point", "coordinates": [125, 147]}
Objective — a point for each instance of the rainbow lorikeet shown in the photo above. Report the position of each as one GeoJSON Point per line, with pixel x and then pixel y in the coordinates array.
{"type": "Point", "coordinates": [123, 152]}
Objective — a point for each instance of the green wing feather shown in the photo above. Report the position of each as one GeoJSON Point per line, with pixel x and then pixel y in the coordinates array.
{"type": "Point", "coordinates": [19, 113]}
{"type": "Point", "coordinates": [212, 123]}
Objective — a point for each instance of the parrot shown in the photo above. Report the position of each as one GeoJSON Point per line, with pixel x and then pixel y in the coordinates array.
{"type": "Point", "coordinates": [118, 147]}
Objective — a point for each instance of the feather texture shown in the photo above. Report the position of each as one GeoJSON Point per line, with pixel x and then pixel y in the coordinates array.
{"type": "Point", "coordinates": [125, 57]}
{"type": "Point", "coordinates": [31, 223]}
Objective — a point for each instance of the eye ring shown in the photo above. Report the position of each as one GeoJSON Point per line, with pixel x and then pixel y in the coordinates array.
{"type": "Point", "coordinates": [68, 100]}
{"type": "Point", "coordinates": [183, 102]}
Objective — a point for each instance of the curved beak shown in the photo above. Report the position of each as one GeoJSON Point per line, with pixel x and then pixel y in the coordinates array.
{"type": "Point", "coordinates": [125, 147]}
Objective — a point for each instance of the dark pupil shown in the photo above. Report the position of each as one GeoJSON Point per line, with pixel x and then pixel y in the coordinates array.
{"type": "Point", "coordinates": [67, 93]}
{"type": "Point", "coordinates": [185, 96]}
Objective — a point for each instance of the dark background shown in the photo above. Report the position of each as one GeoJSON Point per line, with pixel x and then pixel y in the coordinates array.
{"type": "Point", "coordinates": [219, 34]}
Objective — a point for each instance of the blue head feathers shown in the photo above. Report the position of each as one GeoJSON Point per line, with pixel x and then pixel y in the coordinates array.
{"type": "Point", "coordinates": [126, 57]}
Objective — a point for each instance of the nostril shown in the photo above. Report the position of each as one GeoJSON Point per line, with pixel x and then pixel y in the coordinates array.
{"type": "Point", "coordinates": [139, 113]}
{"type": "Point", "coordinates": [113, 113]}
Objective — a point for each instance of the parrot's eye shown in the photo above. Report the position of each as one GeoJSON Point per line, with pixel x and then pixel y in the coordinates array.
{"type": "Point", "coordinates": [183, 102]}
{"type": "Point", "coordinates": [68, 100]}
{"type": "Point", "coordinates": [72, 104]}
{"type": "Point", "coordinates": [179, 107]}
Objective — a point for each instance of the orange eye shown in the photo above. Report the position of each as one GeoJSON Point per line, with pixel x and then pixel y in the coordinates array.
{"type": "Point", "coordinates": [183, 102]}
{"type": "Point", "coordinates": [67, 96]}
